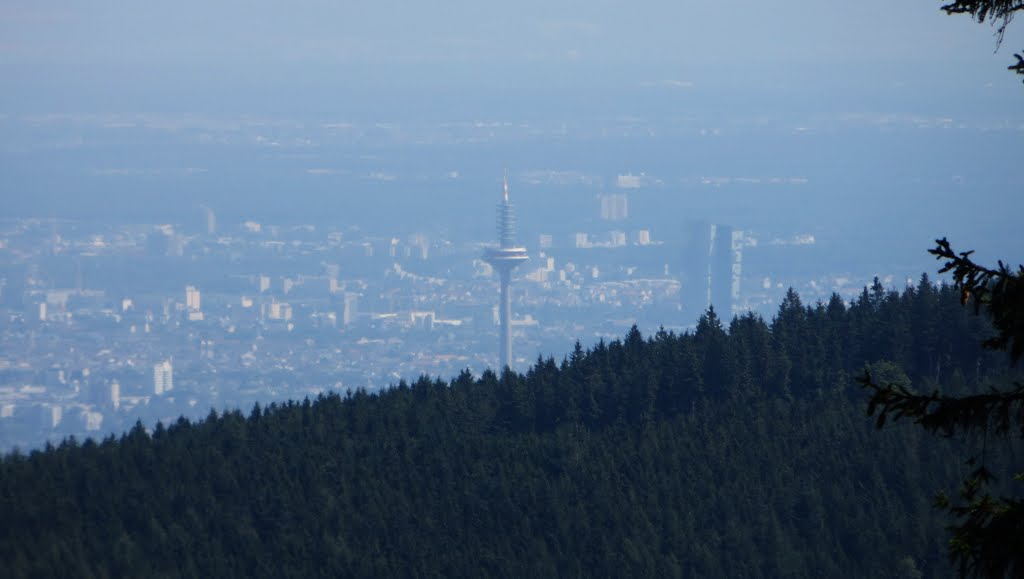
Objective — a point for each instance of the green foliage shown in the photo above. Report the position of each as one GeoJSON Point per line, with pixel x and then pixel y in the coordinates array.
{"type": "Point", "coordinates": [988, 533]}
{"type": "Point", "coordinates": [739, 449]}
{"type": "Point", "coordinates": [1000, 292]}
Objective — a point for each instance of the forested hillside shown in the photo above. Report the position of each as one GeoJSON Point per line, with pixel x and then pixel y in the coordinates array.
{"type": "Point", "coordinates": [741, 449]}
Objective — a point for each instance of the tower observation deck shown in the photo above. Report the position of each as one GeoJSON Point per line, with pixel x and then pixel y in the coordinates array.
{"type": "Point", "coordinates": [504, 258]}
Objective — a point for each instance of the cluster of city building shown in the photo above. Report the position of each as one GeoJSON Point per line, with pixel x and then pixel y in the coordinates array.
{"type": "Point", "coordinates": [103, 325]}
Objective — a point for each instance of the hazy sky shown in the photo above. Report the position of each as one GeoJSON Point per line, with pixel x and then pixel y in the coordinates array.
{"type": "Point", "coordinates": [865, 81]}
{"type": "Point", "coordinates": [275, 32]}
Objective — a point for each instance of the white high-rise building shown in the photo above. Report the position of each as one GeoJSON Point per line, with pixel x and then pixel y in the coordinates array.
{"type": "Point", "coordinates": [192, 298]}
{"type": "Point", "coordinates": [614, 207]}
{"type": "Point", "coordinates": [163, 377]}
{"type": "Point", "coordinates": [211, 220]}
{"type": "Point", "coordinates": [280, 311]}
{"type": "Point", "coordinates": [350, 308]}
{"type": "Point", "coordinates": [51, 415]}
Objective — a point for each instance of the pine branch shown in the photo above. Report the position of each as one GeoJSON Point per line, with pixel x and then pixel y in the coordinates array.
{"type": "Point", "coordinates": [998, 12]}
{"type": "Point", "coordinates": [1000, 410]}
{"type": "Point", "coordinates": [989, 539]}
{"type": "Point", "coordinates": [1019, 67]}
{"type": "Point", "coordinates": [1000, 291]}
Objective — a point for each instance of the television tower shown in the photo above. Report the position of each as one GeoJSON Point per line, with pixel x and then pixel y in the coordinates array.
{"type": "Point", "coordinates": [504, 258]}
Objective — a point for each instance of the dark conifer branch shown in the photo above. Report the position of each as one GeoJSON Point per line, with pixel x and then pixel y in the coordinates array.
{"type": "Point", "coordinates": [1019, 67]}
{"type": "Point", "coordinates": [948, 415]}
{"type": "Point", "coordinates": [999, 291]}
{"type": "Point", "coordinates": [998, 12]}
{"type": "Point", "coordinates": [988, 535]}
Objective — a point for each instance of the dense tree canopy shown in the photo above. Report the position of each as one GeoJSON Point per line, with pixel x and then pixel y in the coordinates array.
{"type": "Point", "coordinates": [737, 449]}
{"type": "Point", "coordinates": [988, 535]}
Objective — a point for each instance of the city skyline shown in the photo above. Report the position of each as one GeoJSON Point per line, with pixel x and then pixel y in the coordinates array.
{"type": "Point", "coordinates": [312, 310]}
{"type": "Point", "coordinates": [295, 206]}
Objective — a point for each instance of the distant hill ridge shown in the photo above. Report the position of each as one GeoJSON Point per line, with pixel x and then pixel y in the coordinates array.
{"type": "Point", "coordinates": [737, 450]}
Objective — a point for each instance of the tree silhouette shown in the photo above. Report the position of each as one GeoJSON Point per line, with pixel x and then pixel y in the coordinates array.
{"type": "Point", "coordinates": [988, 535]}
{"type": "Point", "coordinates": [998, 13]}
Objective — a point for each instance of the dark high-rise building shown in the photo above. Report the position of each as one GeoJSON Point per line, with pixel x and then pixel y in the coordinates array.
{"type": "Point", "coordinates": [504, 258]}
{"type": "Point", "coordinates": [723, 259]}
{"type": "Point", "coordinates": [710, 269]}
{"type": "Point", "coordinates": [12, 290]}
{"type": "Point", "coordinates": [695, 270]}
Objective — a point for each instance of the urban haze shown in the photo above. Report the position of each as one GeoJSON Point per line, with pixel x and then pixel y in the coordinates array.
{"type": "Point", "coordinates": [205, 207]}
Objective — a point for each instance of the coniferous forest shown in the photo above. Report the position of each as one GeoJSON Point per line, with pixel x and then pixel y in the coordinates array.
{"type": "Point", "coordinates": [740, 449]}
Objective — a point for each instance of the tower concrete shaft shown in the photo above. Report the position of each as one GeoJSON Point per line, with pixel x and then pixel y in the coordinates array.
{"type": "Point", "coordinates": [505, 319]}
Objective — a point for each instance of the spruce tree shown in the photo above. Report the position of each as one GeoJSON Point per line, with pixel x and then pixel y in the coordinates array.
{"type": "Point", "coordinates": [988, 530]}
